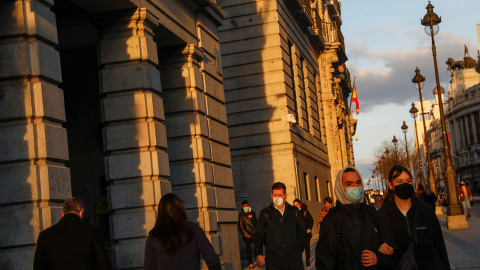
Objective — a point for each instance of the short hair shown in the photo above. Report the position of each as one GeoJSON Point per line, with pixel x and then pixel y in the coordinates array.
{"type": "Point", "coordinates": [244, 202]}
{"type": "Point", "coordinates": [297, 200]}
{"type": "Point", "coordinates": [279, 185]}
{"type": "Point", "coordinates": [328, 199]}
{"type": "Point", "coordinates": [74, 205]}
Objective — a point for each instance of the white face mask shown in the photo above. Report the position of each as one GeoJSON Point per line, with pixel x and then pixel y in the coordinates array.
{"type": "Point", "coordinates": [246, 209]}
{"type": "Point", "coordinates": [278, 201]}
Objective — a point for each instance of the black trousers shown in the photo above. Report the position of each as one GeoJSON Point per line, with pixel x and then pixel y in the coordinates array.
{"type": "Point", "coordinates": [248, 244]}
{"type": "Point", "coordinates": [307, 249]}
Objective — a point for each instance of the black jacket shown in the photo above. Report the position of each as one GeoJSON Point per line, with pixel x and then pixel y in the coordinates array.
{"type": "Point", "coordinates": [283, 237]}
{"type": "Point", "coordinates": [246, 223]}
{"type": "Point", "coordinates": [429, 247]}
{"type": "Point", "coordinates": [308, 220]}
{"type": "Point", "coordinates": [70, 244]}
{"type": "Point", "coordinates": [347, 230]}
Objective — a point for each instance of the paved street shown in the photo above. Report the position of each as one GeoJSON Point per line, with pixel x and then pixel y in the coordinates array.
{"type": "Point", "coordinates": [463, 245]}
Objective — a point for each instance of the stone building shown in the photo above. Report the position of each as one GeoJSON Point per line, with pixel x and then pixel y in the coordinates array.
{"type": "Point", "coordinates": [112, 101]}
{"type": "Point", "coordinates": [119, 102]}
{"type": "Point", "coordinates": [463, 118]}
{"type": "Point", "coordinates": [286, 88]}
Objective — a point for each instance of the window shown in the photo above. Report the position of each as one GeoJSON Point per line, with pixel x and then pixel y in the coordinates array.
{"type": "Point", "coordinates": [305, 91]}
{"type": "Point", "coordinates": [293, 75]}
{"type": "Point", "coordinates": [307, 190]}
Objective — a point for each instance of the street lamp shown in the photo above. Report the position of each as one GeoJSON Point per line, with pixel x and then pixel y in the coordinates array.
{"type": "Point", "coordinates": [404, 130]}
{"type": "Point", "coordinates": [413, 111]}
{"type": "Point", "coordinates": [395, 141]}
{"type": "Point", "coordinates": [454, 213]}
{"type": "Point", "coordinates": [418, 80]}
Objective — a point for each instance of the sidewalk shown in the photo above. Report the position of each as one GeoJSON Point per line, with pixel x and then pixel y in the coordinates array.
{"type": "Point", "coordinates": [463, 245]}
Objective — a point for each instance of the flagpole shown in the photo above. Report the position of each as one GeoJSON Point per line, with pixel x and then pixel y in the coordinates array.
{"type": "Point", "coordinates": [351, 99]}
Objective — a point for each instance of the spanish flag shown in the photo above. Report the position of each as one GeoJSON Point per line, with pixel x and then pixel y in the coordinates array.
{"type": "Point", "coordinates": [354, 97]}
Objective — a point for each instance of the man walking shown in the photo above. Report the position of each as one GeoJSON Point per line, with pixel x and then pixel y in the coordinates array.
{"type": "Point", "coordinates": [350, 238]}
{"type": "Point", "coordinates": [247, 222]}
{"type": "Point", "coordinates": [281, 229]}
{"type": "Point", "coordinates": [308, 220]}
{"type": "Point", "coordinates": [71, 243]}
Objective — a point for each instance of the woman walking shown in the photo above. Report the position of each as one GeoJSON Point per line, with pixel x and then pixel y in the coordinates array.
{"type": "Point", "coordinates": [413, 226]}
{"type": "Point", "coordinates": [175, 243]}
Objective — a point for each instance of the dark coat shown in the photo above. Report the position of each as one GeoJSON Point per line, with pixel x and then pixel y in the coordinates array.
{"type": "Point", "coordinates": [283, 237]}
{"type": "Point", "coordinates": [429, 247]}
{"type": "Point", "coordinates": [359, 229]}
{"type": "Point", "coordinates": [189, 257]}
{"type": "Point", "coordinates": [246, 223]}
{"type": "Point", "coordinates": [70, 244]}
{"type": "Point", "coordinates": [308, 220]}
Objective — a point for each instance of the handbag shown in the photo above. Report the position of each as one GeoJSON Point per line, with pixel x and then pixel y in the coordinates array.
{"type": "Point", "coordinates": [407, 262]}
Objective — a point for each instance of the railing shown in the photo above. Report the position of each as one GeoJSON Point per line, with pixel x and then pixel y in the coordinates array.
{"type": "Point", "coordinates": [317, 25]}
{"type": "Point", "coordinates": [335, 4]}
{"type": "Point", "coordinates": [333, 34]}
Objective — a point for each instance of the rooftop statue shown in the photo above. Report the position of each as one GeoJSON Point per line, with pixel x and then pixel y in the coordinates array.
{"type": "Point", "coordinates": [454, 65]}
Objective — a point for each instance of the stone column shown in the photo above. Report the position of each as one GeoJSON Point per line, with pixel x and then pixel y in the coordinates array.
{"type": "Point", "coordinates": [33, 143]}
{"type": "Point", "coordinates": [198, 145]}
{"type": "Point", "coordinates": [467, 129]}
{"type": "Point", "coordinates": [458, 133]}
{"type": "Point", "coordinates": [462, 131]}
{"type": "Point", "coordinates": [453, 136]}
{"type": "Point", "coordinates": [474, 129]}
{"type": "Point", "coordinates": [134, 134]}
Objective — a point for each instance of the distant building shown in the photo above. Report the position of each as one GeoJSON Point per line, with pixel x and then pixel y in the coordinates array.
{"type": "Point", "coordinates": [463, 116]}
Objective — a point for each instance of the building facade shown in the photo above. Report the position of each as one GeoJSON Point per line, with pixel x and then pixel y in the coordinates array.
{"type": "Point", "coordinates": [286, 88]}
{"type": "Point", "coordinates": [463, 117]}
{"type": "Point", "coordinates": [120, 102]}
{"type": "Point", "coordinates": [117, 103]}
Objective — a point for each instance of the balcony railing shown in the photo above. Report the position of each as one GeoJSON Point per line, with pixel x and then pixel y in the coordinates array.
{"type": "Point", "coordinates": [332, 34]}
{"type": "Point", "coordinates": [334, 7]}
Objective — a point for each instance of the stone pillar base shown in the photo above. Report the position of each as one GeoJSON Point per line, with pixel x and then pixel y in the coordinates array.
{"type": "Point", "coordinates": [438, 210]}
{"type": "Point", "coordinates": [457, 222]}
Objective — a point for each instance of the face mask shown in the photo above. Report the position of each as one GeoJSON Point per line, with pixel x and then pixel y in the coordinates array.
{"type": "Point", "coordinates": [403, 191]}
{"type": "Point", "coordinates": [246, 209]}
{"type": "Point", "coordinates": [354, 194]}
{"type": "Point", "coordinates": [278, 201]}
{"type": "Point", "coordinates": [462, 185]}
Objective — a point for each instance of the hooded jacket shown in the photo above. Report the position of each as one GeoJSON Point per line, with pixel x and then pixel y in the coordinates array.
{"type": "Point", "coordinates": [347, 230]}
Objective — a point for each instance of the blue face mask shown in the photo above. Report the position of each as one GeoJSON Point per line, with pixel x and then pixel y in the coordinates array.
{"type": "Point", "coordinates": [354, 194]}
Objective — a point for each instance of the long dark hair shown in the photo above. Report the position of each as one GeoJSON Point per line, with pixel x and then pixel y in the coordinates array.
{"type": "Point", "coordinates": [171, 225]}
{"type": "Point", "coordinates": [395, 172]}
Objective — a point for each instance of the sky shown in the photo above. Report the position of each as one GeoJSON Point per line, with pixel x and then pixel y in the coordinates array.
{"type": "Point", "coordinates": [385, 42]}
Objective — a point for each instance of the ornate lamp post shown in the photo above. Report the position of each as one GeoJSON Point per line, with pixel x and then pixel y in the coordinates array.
{"type": "Point", "coordinates": [418, 80]}
{"type": "Point", "coordinates": [404, 130]}
{"type": "Point", "coordinates": [395, 141]}
{"type": "Point", "coordinates": [413, 111]}
{"type": "Point", "coordinates": [455, 219]}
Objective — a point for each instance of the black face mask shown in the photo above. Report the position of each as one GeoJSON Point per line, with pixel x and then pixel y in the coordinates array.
{"type": "Point", "coordinates": [462, 185]}
{"type": "Point", "coordinates": [403, 191]}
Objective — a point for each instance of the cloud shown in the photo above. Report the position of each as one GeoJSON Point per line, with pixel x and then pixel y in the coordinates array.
{"type": "Point", "coordinates": [386, 76]}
